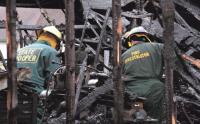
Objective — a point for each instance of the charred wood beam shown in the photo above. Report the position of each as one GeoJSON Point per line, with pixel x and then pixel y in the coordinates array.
{"type": "Point", "coordinates": [182, 22]}
{"type": "Point", "coordinates": [117, 62]}
{"type": "Point", "coordinates": [183, 108]}
{"type": "Point", "coordinates": [91, 49]}
{"type": "Point", "coordinates": [96, 41]}
{"type": "Point", "coordinates": [185, 100]}
{"type": "Point", "coordinates": [190, 51]}
{"type": "Point", "coordinates": [179, 67]}
{"type": "Point", "coordinates": [83, 31]}
{"type": "Point", "coordinates": [101, 38]}
{"type": "Point", "coordinates": [93, 29]}
{"type": "Point", "coordinates": [191, 12]}
{"type": "Point", "coordinates": [91, 97]}
{"type": "Point", "coordinates": [91, 15]}
{"type": "Point", "coordinates": [88, 46]}
{"type": "Point", "coordinates": [194, 10]}
{"type": "Point", "coordinates": [70, 61]}
{"type": "Point", "coordinates": [38, 27]}
{"type": "Point", "coordinates": [97, 17]}
{"type": "Point", "coordinates": [12, 100]}
{"type": "Point", "coordinates": [192, 92]}
{"type": "Point", "coordinates": [195, 73]}
{"type": "Point", "coordinates": [32, 3]}
{"type": "Point", "coordinates": [191, 81]}
{"type": "Point", "coordinates": [169, 54]}
{"type": "Point", "coordinates": [80, 81]}
{"type": "Point", "coordinates": [191, 41]}
{"type": "Point", "coordinates": [133, 15]}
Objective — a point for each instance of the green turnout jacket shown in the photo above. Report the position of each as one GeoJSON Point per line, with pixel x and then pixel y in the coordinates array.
{"type": "Point", "coordinates": [38, 57]}
{"type": "Point", "coordinates": [142, 62]}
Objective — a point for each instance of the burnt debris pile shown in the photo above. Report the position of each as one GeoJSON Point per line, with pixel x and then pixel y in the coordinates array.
{"type": "Point", "coordinates": [186, 34]}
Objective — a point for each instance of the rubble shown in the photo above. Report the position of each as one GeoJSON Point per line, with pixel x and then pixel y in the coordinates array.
{"type": "Point", "coordinates": [187, 39]}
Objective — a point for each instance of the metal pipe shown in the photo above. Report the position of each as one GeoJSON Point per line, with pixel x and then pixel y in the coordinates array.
{"type": "Point", "coordinates": [12, 101]}
{"type": "Point", "coordinates": [70, 61]}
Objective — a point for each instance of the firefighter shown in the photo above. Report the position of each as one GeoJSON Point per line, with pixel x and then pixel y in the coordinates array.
{"type": "Point", "coordinates": [39, 57]}
{"type": "Point", "coordinates": [142, 67]}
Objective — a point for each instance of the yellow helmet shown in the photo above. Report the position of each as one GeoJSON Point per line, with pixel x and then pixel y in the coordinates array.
{"type": "Point", "coordinates": [53, 30]}
{"type": "Point", "coordinates": [135, 34]}
{"type": "Point", "coordinates": [135, 30]}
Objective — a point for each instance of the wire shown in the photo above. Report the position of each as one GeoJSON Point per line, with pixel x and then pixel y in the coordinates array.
{"type": "Point", "coordinates": [44, 13]}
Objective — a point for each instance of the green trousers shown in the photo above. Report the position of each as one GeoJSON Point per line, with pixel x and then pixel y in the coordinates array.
{"type": "Point", "coordinates": [153, 90]}
{"type": "Point", "coordinates": [28, 87]}
{"type": "Point", "coordinates": [40, 108]}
